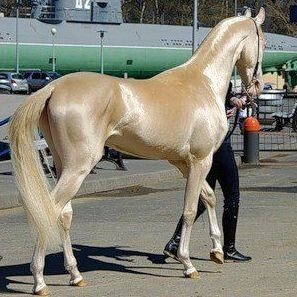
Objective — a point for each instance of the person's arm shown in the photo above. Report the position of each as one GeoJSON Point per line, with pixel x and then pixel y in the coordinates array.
{"type": "Point", "coordinates": [237, 102]}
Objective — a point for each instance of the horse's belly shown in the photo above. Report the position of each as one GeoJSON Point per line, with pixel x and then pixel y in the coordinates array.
{"type": "Point", "coordinates": [146, 148]}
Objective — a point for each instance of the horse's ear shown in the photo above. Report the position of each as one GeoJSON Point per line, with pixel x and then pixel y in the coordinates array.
{"type": "Point", "coordinates": [260, 18]}
{"type": "Point", "coordinates": [248, 13]}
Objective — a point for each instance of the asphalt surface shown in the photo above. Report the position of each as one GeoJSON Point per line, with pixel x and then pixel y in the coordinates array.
{"type": "Point", "coordinates": [107, 178]}
{"type": "Point", "coordinates": [118, 238]}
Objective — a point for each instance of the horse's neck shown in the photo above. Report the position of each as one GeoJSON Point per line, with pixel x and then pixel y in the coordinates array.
{"type": "Point", "coordinates": [217, 56]}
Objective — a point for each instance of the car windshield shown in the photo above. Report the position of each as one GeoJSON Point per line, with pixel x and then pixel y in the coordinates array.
{"type": "Point", "coordinates": [54, 75]}
{"type": "Point", "coordinates": [17, 76]}
{"type": "Point", "coordinates": [27, 75]}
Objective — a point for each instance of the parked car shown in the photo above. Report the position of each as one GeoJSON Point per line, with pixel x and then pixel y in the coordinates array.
{"type": "Point", "coordinates": [54, 75]}
{"type": "Point", "coordinates": [4, 85]}
{"type": "Point", "coordinates": [268, 86]}
{"type": "Point", "coordinates": [37, 79]}
{"type": "Point", "coordinates": [15, 81]}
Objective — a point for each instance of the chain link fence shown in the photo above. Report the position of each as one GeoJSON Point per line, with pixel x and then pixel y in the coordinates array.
{"type": "Point", "coordinates": [277, 114]}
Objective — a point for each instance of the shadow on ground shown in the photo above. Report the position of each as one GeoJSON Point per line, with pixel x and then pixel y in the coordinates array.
{"type": "Point", "coordinates": [270, 189]}
{"type": "Point", "coordinates": [86, 262]}
{"type": "Point", "coordinates": [133, 191]}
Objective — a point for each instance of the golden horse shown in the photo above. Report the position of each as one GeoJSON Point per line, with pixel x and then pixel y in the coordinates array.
{"type": "Point", "coordinates": [178, 115]}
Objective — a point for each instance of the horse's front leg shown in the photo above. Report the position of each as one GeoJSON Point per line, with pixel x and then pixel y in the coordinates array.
{"type": "Point", "coordinates": [198, 170]}
{"type": "Point", "coordinates": [209, 199]}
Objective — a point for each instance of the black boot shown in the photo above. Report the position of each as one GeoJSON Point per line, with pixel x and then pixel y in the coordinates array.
{"type": "Point", "coordinates": [230, 217]}
{"type": "Point", "coordinates": [171, 247]}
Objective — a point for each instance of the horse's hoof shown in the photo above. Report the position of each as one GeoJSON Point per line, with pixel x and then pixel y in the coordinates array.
{"type": "Point", "coordinates": [194, 274]}
{"type": "Point", "coordinates": [191, 273]}
{"type": "Point", "coordinates": [43, 292]}
{"type": "Point", "coordinates": [217, 257]}
{"type": "Point", "coordinates": [81, 283]}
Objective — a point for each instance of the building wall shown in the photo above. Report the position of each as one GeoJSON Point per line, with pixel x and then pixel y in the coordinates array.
{"type": "Point", "coordinates": [276, 80]}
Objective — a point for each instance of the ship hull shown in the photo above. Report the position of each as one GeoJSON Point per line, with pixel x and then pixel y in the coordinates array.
{"type": "Point", "coordinates": [139, 50]}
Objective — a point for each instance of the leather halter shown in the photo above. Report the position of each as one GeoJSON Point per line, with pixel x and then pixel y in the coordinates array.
{"type": "Point", "coordinates": [254, 77]}
{"type": "Point", "coordinates": [248, 86]}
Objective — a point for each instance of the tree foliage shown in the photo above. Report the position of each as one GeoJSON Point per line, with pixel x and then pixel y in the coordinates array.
{"type": "Point", "coordinates": [210, 12]}
{"type": "Point", "coordinates": [8, 6]}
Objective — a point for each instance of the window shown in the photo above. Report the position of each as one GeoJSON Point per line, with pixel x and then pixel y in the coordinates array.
{"type": "Point", "coordinates": [17, 76]}
{"type": "Point", "coordinates": [44, 75]}
{"type": "Point", "coordinates": [3, 76]}
{"type": "Point", "coordinates": [36, 75]}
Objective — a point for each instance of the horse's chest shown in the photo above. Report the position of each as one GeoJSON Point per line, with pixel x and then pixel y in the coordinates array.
{"type": "Point", "coordinates": [208, 135]}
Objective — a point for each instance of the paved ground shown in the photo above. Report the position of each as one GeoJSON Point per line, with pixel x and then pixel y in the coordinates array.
{"type": "Point", "coordinates": [107, 178]}
{"type": "Point", "coordinates": [118, 239]}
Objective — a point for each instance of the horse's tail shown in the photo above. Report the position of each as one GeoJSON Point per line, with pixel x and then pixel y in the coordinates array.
{"type": "Point", "coordinates": [30, 178]}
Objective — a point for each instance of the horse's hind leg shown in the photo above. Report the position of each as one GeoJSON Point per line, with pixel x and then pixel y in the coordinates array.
{"type": "Point", "coordinates": [69, 259]}
{"type": "Point", "coordinates": [37, 266]}
{"type": "Point", "coordinates": [209, 199]}
{"type": "Point", "coordinates": [68, 185]}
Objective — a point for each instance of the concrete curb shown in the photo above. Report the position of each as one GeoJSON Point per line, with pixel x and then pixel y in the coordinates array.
{"type": "Point", "coordinates": [97, 186]}
{"type": "Point", "coordinates": [11, 199]}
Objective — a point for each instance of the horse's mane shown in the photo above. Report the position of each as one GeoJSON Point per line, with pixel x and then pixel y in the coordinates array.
{"type": "Point", "coordinates": [219, 31]}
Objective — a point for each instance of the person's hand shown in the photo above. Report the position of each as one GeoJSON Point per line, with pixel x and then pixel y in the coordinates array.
{"type": "Point", "coordinates": [238, 103]}
{"type": "Point", "coordinates": [230, 112]}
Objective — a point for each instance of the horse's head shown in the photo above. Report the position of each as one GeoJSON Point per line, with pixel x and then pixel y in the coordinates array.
{"type": "Point", "coordinates": [249, 63]}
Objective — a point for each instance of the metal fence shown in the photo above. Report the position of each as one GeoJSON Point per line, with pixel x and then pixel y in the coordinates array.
{"type": "Point", "coordinates": [277, 114]}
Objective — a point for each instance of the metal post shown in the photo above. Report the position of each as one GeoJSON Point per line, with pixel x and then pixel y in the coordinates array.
{"type": "Point", "coordinates": [53, 31]}
{"type": "Point", "coordinates": [17, 66]}
{"type": "Point", "coordinates": [251, 141]}
{"type": "Point", "coordinates": [101, 51]}
{"type": "Point", "coordinates": [195, 23]}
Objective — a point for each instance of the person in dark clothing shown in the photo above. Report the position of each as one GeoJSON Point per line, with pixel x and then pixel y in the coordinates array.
{"type": "Point", "coordinates": [225, 171]}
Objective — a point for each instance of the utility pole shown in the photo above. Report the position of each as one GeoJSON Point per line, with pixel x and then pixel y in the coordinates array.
{"type": "Point", "coordinates": [195, 25]}
{"type": "Point", "coordinates": [53, 31]}
{"type": "Point", "coordinates": [17, 62]}
{"type": "Point", "coordinates": [101, 50]}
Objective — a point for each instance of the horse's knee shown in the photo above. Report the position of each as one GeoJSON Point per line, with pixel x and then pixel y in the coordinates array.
{"type": "Point", "coordinates": [208, 197]}
{"type": "Point", "coordinates": [189, 216]}
{"type": "Point", "coordinates": [210, 200]}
